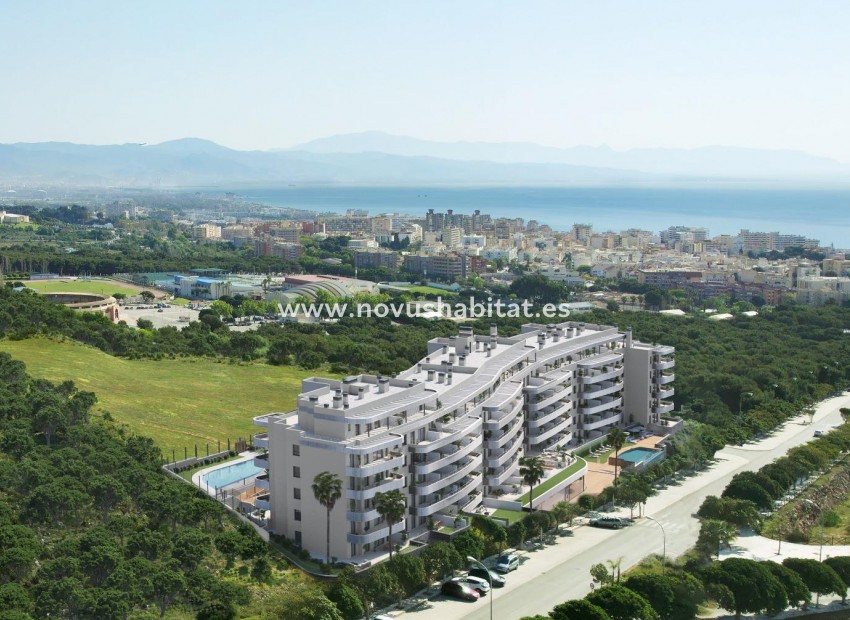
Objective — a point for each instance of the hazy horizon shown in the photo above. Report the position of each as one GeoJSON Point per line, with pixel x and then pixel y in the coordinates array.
{"type": "Point", "coordinates": [764, 74]}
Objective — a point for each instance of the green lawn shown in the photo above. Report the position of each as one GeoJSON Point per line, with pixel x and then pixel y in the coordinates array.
{"type": "Point", "coordinates": [511, 516]}
{"type": "Point", "coordinates": [179, 403]}
{"type": "Point", "coordinates": [99, 287]}
{"type": "Point", "coordinates": [554, 480]}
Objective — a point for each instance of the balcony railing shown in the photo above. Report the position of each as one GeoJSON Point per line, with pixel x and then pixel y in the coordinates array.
{"type": "Point", "coordinates": [664, 365]}
{"type": "Point", "coordinates": [665, 379]}
{"type": "Point", "coordinates": [593, 406]}
{"type": "Point", "coordinates": [596, 422]}
{"type": "Point", "coordinates": [563, 410]}
{"type": "Point", "coordinates": [456, 455]}
{"type": "Point", "coordinates": [460, 493]}
{"type": "Point", "coordinates": [664, 393]}
{"type": "Point", "coordinates": [390, 483]}
{"type": "Point", "coordinates": [497, 460]}
{"type": "Point", "coordinates": [262, 482]}
{"type": "Point", "coordinates": [548, 433]}
{"type": "Point", "coordinates": [261, 440]}
{"type": "Point", "coordinates": [391, 461]}
{"type": "Point", "coordinates": [591, 378]}
{"type": "Point", "coordinates": [448, 478]}
{"type": "Point", "coordinates": [663, 407]}
{"type": "Point", "coordinates": [261, 461]}
{"type": "Point", "coordinates": [494, 443]}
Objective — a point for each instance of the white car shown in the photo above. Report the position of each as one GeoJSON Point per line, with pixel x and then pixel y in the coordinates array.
{"type": "Point", "coordinates": [476, 583]}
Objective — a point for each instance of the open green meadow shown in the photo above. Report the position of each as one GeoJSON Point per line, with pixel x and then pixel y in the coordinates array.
{"type": "Point", "coordinates": [180, 402]}
{"type": "Point", "coordinates": [98, 287]}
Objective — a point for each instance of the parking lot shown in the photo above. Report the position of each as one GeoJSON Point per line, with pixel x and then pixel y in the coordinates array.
{"type": "Point", "coordinates": [173, 316]}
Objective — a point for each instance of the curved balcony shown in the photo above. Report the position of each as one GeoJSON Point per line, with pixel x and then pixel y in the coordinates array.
{"type": "Point", "coordinates": [548, 400]}
{"type": "Point", "coordinates": [439, 463]}
{"type": "Point", "coordinates": [262, 461]}
{"type": "Point", "coordinates": [263, 502]}
{"type": "Point", "coordinates": [663, 407]}
{"type": "Point", "coordinates": [444, 502]}
{"type": "Point", "coordinates": [497, 460]}
{"type": "Point", "coordinates": [665, 379]}
{"type": "Point", "coordinates": [498, 442]}
{"type": "Point", "coordinates": [664, 393]}
{"type": "Point", "coordinates": [373, 535]}
{"type": "Point", "coordinates": [262, 482]}
{"type": "Point", "coordinates": [450, 433]}
{"type": "Point", "coordinates": [499, 478]}
{"type": "Point", "coordinates": [499, 418]}
{"type": "Point", "coordinates": [387, 463]}
{"type": "Point", "coordinates": [362, 517]}
{"type": "Point", "coordinates": [391, 483]}
{"type": "Point", "coordinates": [563, 440]}
{"type": "Point", "coordinates": [598, 422]}
{"type": "Point", "coordinates": [590, 379]}
{"type": "Point", "coordinates": [448, 478]}
{"type": "Point", "coordinates": [664, 365]}
{"type": "Point", "coordinates": [603, 390]}
{"type": "Point", "coordinates": [549, 433]}
{"type": "Point", "coordinates": [594, 407]}
{"type": "Point", "coordinates": [545, 418]}
{"type": "Point", "coordinates": [261, 440]}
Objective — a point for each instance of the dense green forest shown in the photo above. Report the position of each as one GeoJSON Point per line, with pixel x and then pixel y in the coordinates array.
{"type": "Point", "coordinates": [743, 376]}
{"type": "Point", "coordinates": [91, 529]}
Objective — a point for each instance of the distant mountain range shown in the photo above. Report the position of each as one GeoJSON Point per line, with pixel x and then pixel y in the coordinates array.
{"type": "Point", "coordinates": [375, 158]}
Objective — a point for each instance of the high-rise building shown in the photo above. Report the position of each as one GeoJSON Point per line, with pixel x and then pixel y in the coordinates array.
{"type": "Point", "coordinates": [449, 432]}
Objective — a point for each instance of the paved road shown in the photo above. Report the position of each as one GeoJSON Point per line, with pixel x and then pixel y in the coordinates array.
{"type": "Point", "coordinates": [561, 572]}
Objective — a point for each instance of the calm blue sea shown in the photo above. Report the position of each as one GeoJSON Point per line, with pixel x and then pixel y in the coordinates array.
{"type": "Point", "coordinates": [820, 214]}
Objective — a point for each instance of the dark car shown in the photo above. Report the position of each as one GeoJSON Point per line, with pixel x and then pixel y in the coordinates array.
{"type": "Point", "coordinates": [612, 523]}
{"type": "Point", "coordinates": [497, 580]}
{"type": "Point", "coordinates": [458, 590]}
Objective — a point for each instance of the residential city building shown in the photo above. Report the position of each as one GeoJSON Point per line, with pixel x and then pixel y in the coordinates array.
{"type": "Point", "coordinates": [449, 432]}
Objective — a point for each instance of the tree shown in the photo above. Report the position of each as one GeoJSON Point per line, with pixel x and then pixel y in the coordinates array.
{"type": "Point", "coordinates": [167, 583]}
{"type": "Point", "coordinates": [819, 577]}
{"type": "Point", "coordinates": [147, 296]}
{"type": "Point", "coordinates": [409, 570]}
{"type": "Point", "coordinates": [753, 587]}
{"type": "Point", "coordinates": [714, 534]}
{"type": "Point", "coordinates": [190, 546]}
{"type": "Point", "coordinates": [599, 573]}
{"type": "Point", "coordinates": [841, 565]}
{"type": "Point", "coordinates": [578, 610]}
{"type": "Point", "coordinates": [795, 589]}
{"type": "Point", "coordinates": [107, 492]}
{"type": "Point", "coordinates": [439, 560]}
{"type": "Point", "coordinates": [532, 472]}
{"type": "Point", "coordinates": [469, 544]}
{"type": "Point", "coordinates": [347, 601]}
{"type": "Point", "coordinates": [298, 599]}
{"type": "Point", "coordinates": [144, 324]}
{"type": "Point", "coordinates": [391, 506]}
{"type": "Point", "coordinates": [216, 611]}
{"type": "Point", "coordinates": [657, 590]}
{"type": "Point", "coordinates": [327, 489]}
{"type": "Point", "coordinates": [621, 603]}
{"type": "Point", "coordinates": [616, 438]}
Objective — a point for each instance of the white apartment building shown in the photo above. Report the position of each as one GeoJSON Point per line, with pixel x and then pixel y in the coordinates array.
{"type": "Point", "coordinates": [449, 431]}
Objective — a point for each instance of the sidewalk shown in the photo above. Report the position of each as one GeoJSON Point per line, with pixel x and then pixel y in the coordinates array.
{"type": "Point", "coordinates": [567, 561]}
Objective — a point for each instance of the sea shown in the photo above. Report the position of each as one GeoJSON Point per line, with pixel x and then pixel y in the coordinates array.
{"type": "Point", "coordinates": [822, 214]}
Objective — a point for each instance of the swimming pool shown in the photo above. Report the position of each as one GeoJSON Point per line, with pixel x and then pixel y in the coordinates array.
{"type": "Point", "coordinates": [641, 456]}
{"type": "Point", "coordinates": [225, 476]}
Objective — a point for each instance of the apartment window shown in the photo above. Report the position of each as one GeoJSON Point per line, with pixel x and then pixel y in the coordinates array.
{"type": "Point", "coordinates": [297, 515]}
{"type": "Point", "coordinates": [296, 493]}
{"type": "Point", "coordinates": [297, 538]}
{"type": "Point", "coordinates": [296, 472]}
{"type": "Point", "coordinates": [296, 450]}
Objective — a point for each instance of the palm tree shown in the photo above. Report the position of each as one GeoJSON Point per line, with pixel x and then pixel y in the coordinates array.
{"type": "Point", "coordinates": [531, 470]}
{"type": "Point", "coordinates": [561, 511]}
{"type": "Point", "coordinates": [327, 489]}
{"type": "Point", "coordinates": [616, 438]}
{"type": "Point", "coordinates": [391, 506]}
{"type": "Point", "coordinates": [717, 534]}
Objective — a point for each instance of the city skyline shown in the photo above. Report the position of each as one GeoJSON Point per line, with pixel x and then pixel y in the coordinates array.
{"type": "Point", "coordinates": [763, 75]}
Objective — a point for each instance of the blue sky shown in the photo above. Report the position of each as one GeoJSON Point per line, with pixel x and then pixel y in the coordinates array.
{"type": "Point", "coordinates": [771, 74]}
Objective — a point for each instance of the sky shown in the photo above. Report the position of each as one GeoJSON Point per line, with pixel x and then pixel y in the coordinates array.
{"type": "Point", "coordinates": [258, 75]}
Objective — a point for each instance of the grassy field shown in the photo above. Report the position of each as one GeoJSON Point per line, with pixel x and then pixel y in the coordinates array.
{"type": "Point", "coordinates": [98, 287]}
{"type": "Point", "coordinates": [179, 402]}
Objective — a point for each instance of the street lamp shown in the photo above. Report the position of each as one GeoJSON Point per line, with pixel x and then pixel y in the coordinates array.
{"type": "Point", "coordinates": [472, 560]}
{"type": "Point", "coordinates": [664, 543]}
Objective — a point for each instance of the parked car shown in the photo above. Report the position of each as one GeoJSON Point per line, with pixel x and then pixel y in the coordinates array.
{"type": "Point", "coordinates": [506, 563]}
{"type": "Point", "coordinates": [612, 523]}
{"type": "Point", "coordinates": [476, 583]}
{"type": "Point", "coordinates": [459, 590]}
{"type": "Point", "coordinates": [497, 580]}
{"type": "Point", "coordinates": [819, 432]}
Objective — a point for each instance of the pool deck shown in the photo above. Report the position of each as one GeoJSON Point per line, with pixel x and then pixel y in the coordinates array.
{"type": "Point", "coordinates": [198, 482]}
{"type": "Point", "coordinates": [598, 477]}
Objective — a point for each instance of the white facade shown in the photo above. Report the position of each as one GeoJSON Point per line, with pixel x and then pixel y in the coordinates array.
{"type": "Point", "coordinates": [449, 432]}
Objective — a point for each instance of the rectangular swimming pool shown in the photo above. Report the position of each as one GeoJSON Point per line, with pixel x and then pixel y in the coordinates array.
{"type": "Point", "coordinates": [225, 476]}
{"type": "Point", "coordinates": [641, 456]}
